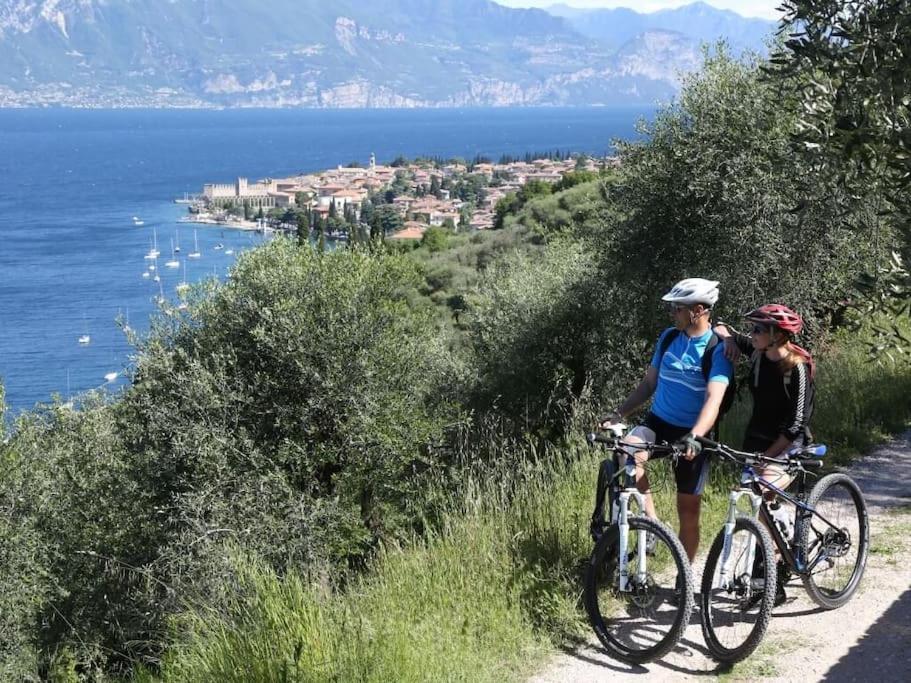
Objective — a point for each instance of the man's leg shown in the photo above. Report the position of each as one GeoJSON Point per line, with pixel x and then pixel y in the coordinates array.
{"type": "Point", "coordinates": [691, 476]}
{"type": "Point", "coordinates": [688, 509]}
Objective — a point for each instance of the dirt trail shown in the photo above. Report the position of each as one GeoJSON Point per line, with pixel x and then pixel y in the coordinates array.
{"type": "Point", "coordinates": [867, 639]}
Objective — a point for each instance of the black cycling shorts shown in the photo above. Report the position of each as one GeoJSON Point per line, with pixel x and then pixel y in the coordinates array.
{"type": "Point", "coordinates": [690, 475]}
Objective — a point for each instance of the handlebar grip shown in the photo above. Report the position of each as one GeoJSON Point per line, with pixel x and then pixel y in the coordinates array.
{"type": "Point", "coordinates": [708, 443]}
{"type": "Point", "coordinates": [811, 464]}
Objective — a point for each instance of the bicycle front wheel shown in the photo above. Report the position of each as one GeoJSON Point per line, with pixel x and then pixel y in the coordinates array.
{"type": "Point", "coordinates": [834, 541]}
{"type": "Point", "coordinates": [737, 602]}
{"type": "Point", "coordinates": [643, 622]}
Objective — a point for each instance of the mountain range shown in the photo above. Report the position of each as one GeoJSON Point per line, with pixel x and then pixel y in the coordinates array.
{"type": "Point", "coordinates": [348, 53]}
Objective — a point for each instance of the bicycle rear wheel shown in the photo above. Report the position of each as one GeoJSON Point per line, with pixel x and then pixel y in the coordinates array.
{"type": "Point", "coordinates": [835, 553]}
{"type": "Point", "coordinates": [736, 612]}
{"type": "Point", "coordinates": [643, 623]}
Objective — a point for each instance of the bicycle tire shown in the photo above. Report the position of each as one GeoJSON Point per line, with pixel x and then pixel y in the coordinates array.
{"type": "Point", "coordinates": [604, 556]}
{"type": "Point", "coordinates": [817, 593]}
{"type": "Point", "coordinates": [710, 630]}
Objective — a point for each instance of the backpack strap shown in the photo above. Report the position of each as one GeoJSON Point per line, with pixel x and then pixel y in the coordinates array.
{"type": "Point", "coordinates": [707, 356]}
{"type": "Point", "coordinates": [666, 342]}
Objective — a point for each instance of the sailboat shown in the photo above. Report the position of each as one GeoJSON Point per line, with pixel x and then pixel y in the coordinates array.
{"type": "Point", "coordinates": [69, 399]}
{"type": "Point", "coordinates": [183, 286]}
{"type": "Point", "coordinates": [110, 377]}
{"type": "Point", "coordinates": [85, 339]}
{"type": "Point", "coordinates": [229, 252]}
{"type": "Point", "coordinates": [159, 300]}
{"type": "Point", "coordinates": [138, 221]}
{"type": "Point", "coordinates": [153, 252]}
{"type": "Point", "coordinates": [195, 253]}
{"type": "Point", "coordinates": [173, 263]}
{"type": "Point", "coordinates": [177, 242]}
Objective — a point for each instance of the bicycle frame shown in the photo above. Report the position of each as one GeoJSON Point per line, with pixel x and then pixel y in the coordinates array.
{"type": "Point", "coordinates": [619, 509]}
{"type": "Point", "coordinates": [749, 484]}
{"type": "Point", "coordinates": [803, 512]}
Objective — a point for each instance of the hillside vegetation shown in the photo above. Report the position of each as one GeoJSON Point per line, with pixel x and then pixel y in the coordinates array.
{"type": "Point", "coordinates": [365, 465]}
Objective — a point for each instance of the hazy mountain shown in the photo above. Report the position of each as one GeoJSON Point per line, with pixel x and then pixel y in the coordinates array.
{"type": "Point", "coordinates": [698, 22]}
{"type": "Point", "coordinates": [326, 53]}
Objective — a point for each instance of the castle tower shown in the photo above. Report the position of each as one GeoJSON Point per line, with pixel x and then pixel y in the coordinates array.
{"type": "Point", "coordinates": [240, 187]}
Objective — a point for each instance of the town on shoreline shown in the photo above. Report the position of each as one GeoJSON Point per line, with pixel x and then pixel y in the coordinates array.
{"type": "Point", "coordinates": [398, 201]}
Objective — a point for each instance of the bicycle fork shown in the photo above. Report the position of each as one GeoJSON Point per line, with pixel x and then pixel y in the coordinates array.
{"type": "Point", "coordinates": [726, 578]}
{"type": "Point", "coordinates": [623, 525]}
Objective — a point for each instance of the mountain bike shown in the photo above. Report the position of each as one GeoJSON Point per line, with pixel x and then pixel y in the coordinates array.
{"type": "Point", "coordinates": [824, 541]}
{"type": "Point", "coordinates": [638, 581]}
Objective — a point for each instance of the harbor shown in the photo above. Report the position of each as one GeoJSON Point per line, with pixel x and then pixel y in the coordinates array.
{"type": "Point", "coordinates": [423, 193]}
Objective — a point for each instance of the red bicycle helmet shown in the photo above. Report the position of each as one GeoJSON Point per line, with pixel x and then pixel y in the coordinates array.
{"type": "Point", "coordinates": [780, 316]}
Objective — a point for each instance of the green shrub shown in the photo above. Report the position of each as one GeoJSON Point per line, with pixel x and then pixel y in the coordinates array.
{"type": "Point", "coordinates": [435, 239]}
{"type": "Point", "coordinates": [296, 411]}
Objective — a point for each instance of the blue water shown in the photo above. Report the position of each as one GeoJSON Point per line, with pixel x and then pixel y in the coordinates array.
{"type": "Point", "coordinates": [71, 258]}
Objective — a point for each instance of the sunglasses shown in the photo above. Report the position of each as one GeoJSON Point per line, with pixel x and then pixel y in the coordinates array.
{"type": "Point", "coordinates": [760, 329]}
{"type": "Point", "coordinates": [676, 308]}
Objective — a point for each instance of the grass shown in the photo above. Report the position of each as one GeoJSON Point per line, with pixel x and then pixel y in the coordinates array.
{"type": "Point", "coordinates": [892, 539]}
{"type": "Point", "coordinates": [764, 662]}
{"type": "Point", "coordinates": [488, 596]}
{"type": "Point", "coordinates": [860, 401]}
{"type": "Point", "coordinates": [479, 601]}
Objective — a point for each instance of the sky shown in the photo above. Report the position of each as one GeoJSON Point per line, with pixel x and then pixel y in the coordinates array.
{"type": "Point", "coordinates": [747, 8]}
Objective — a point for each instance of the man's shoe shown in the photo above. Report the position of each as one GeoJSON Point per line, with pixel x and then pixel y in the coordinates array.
{"type": "Point", "coordinates": [677, 595]}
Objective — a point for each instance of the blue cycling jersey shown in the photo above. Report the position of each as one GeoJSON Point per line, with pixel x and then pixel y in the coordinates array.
{"type": "Point", "coordinates": [680, 393]}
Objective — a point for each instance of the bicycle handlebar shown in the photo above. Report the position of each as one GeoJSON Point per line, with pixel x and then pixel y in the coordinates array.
{"type": "Point", "coordinates": [745, 458]}
{"type": "Point", "coordinates": [618, 442]}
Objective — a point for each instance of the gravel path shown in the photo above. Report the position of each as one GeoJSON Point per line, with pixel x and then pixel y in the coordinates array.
{"type": "Point", "coordinates": [867, 639]}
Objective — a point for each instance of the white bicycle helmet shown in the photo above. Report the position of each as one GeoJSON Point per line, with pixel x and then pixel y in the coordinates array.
{"type": "Point", "coordinates": [693, 290]}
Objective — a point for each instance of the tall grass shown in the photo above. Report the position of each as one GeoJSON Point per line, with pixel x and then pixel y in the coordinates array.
{"type": "Point", "coordinates": [860, 400]}
{"type": "Point", "coordinates": [488, 595]}
{"type": "Point", "coordinates": [479, 600]}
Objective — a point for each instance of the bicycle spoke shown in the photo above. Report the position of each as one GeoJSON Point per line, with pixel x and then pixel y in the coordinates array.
{"type": "Point", "coordinates": [834, 554]}
{"type": "Point", "coordinates": [646, 619]}
{"type": "Point", "coordinates": [736, 597]}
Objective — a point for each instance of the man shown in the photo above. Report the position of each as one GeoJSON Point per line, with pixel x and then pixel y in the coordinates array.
{"type": "Point", "coordinates": [685, 404]}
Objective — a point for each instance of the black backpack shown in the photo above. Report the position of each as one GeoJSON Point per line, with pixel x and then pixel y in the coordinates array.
{"type": "Point", "coordinates": [730, 393]}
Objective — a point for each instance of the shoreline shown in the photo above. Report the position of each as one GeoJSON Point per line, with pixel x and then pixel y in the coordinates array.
{"type": "Point", "coordinates": [248, 226]}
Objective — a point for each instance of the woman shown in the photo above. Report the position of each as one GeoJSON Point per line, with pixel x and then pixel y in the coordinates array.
{"type": "Point", "coordinates": [781, 383]}
{"type": "Point", "coordinates": [781, 379]}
